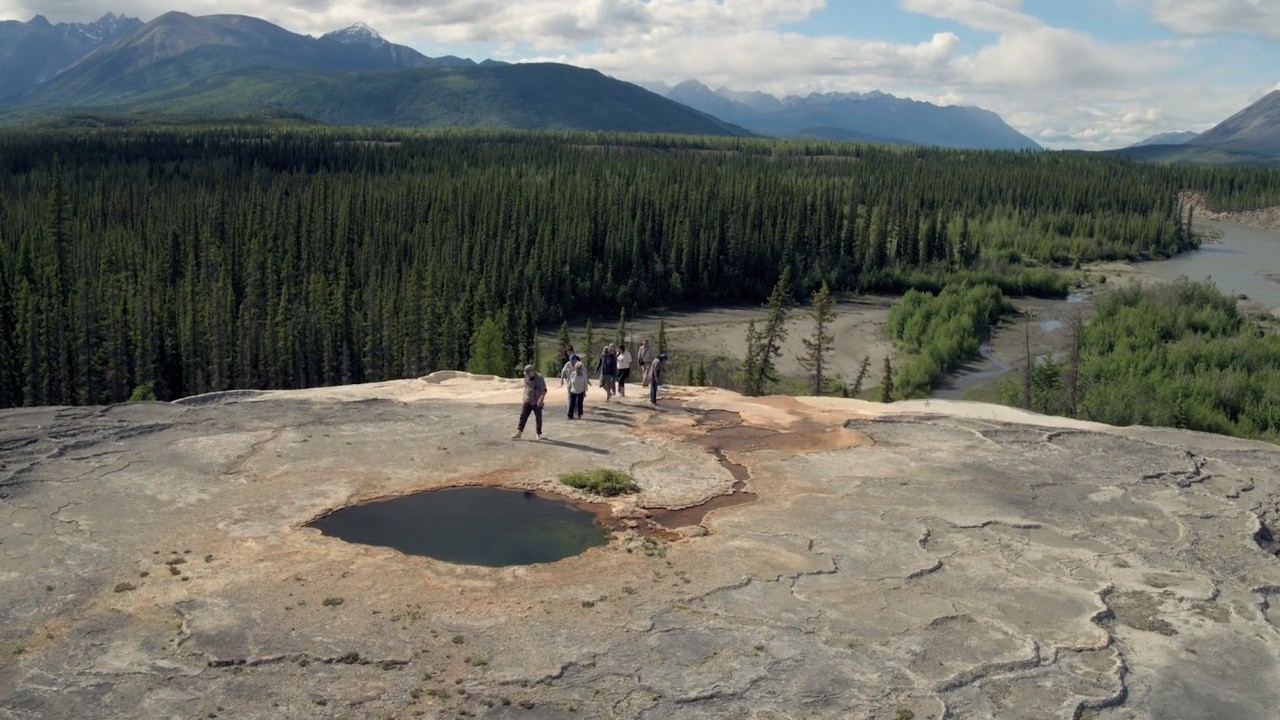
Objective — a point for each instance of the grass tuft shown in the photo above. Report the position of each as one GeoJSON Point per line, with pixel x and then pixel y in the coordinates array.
{"type": "Point", "coordinates": [601, 481]}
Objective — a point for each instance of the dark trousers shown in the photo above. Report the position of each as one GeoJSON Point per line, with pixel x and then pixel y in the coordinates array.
{"type": "Point", "coordinates": [575, 403]}
{"type": "Point", "coordinates": [653, 391]}
{"type": "Point", "coordinates": [537, 416]}
{"type": "Point", "coordinates": [623, 374]}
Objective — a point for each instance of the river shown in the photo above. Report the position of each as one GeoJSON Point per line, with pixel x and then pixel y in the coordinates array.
{"type": "Point", "coordinates": [1241, 260]}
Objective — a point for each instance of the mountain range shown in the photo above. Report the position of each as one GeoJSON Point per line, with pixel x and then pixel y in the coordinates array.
{"type": "Point", "coordinates": [224, 66]}
{"type": "Point", "coordinates": [1250, 137]}
{"type": "Point", "coordinates": [231, 65]}
{"type": "Point", "coordinates": [35, 51]}
{"type": "Point", "coordinates": [869, 117]}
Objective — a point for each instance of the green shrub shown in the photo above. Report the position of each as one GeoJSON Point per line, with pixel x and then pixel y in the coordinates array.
{"type": "Point", "coordinates": [144, 392]}
{"type": "Point", "coordinates": [601, 481]}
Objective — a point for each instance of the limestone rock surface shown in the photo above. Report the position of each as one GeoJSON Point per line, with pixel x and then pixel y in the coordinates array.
{"type": "Point", "coordinates": [919, 560]}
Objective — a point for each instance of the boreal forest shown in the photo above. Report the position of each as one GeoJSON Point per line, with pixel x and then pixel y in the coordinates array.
{"type": "Point", "coordinates": [171, 261]}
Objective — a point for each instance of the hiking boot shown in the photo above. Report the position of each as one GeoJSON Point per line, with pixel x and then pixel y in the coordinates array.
{"type": "Point", "coordinates": [517, 435]}
{"type": "Point", "coordinates": [539, 436]}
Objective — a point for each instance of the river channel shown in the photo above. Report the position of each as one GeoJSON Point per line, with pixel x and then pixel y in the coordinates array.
{"type": "Point", "coordinates": [1243, 261]}
{"type": "Point", "coordinates": [1240, 260]}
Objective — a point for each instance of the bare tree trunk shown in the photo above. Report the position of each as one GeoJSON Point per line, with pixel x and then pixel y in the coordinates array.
{"type": "Point", "coordinates": [1075, 325]}
{"type": "Point", "coordinates": [1026, 372]}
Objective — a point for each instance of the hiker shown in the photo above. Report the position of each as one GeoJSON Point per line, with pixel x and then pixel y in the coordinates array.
{"type": "Point", "coordinates": [645, 355]}
{"type": "Point", "coordinates": [574, 375]}
{"type": "Point", "coordinates": [535, 392]}
{"type": "Point", "coordinates": [624, 369]}
{"type": "Point", "coordinates": [607, 366]}
{"type": "Point", "coordinates": [653, 375]}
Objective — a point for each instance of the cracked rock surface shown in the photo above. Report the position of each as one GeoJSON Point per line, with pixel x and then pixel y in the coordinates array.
{"type": "Point", "coordinates": [923, 560]}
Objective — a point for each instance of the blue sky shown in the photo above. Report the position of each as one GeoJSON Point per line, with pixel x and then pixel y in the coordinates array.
{"type": "Point", "coordinates": [1068, 73]}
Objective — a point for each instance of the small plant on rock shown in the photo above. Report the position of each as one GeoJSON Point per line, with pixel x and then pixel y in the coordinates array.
{"type": "Point", "coordinates": [601, 481]}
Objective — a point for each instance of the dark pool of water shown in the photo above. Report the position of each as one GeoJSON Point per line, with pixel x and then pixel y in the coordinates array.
{"type": "Point", "coordinates": [471, 526]}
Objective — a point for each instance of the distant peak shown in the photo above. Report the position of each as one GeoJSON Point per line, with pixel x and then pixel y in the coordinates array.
{"type": "Point", "coordinates": [357, 33]}
{"type": "Point", "coordinates": [40, 20]}
{"type": "Point", "coordinates": [692, 86]}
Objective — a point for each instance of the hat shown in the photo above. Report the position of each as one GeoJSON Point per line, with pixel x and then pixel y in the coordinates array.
{"type": "Point", "coordinates": [662, 357]}
{"type": "Point", "coordinates": [528, 368]}
{"type": "Point", "coordinates": [573, 358]}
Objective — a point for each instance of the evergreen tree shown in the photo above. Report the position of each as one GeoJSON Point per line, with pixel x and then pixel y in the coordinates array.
{"type": "Point", "coordinates": [886, 387]}
{"type": "Point", "coordinates": [749, 372]}
{"type": "Point", "coordinates": [556, 361]}
{"type": "Point", "coordinates": [768, 342]}
{"type": "Point", "coordinates": [863, 371]}
{"type": "Point", "coordinates": [818, 347]}
{"type": "Point", "coordinates": [621, 336]}
{"type": "Point", "coordinates": [662, 334]}
{"type": "Point", "coordinates": [488, 352]}
{"type": "Point", "coordinates": [589, 338]}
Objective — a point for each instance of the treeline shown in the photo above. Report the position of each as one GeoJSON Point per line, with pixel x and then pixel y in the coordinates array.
{"type": "Point", "coordinates": [1176, 355]}
{"type": "Point", "coordinates": [167, 262]}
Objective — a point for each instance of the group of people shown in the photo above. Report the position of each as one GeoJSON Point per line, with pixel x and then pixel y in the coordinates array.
{"type": "Point", "coordinates": [614, 369]}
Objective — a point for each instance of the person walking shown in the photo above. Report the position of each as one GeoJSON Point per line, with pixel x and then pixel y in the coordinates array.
{"type": "Point", "coordinates": [607, 366]}
{"type": "Point", "coordinates": [645, 355]}
{"type": "Point", "coordinates": [653, 376]}
{"type": "Point", "coordinates": [574, 375]}
{"type": "Point", "coordinates": [535, 392]}
{"type": "Point", "coordinates": [624, 369]}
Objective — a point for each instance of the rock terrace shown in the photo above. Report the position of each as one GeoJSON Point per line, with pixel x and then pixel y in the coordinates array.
{"type": "Point", "coordinates": [920, 560]}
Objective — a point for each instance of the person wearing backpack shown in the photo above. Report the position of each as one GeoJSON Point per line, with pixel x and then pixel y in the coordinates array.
{"type": "Point", "coordinates": [607, 366]}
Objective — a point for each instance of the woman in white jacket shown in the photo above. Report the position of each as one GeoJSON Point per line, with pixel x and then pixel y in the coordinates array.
{"type": "Point", "coordinates": [574, 374]}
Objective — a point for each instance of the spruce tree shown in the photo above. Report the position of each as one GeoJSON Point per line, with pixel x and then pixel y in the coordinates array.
{"type": "Point", "coordinates": [488, 352]}
{"type": "Point", "coordinates": [818, 347]}
{"type": "Point", "coordinates": [621, 336]}
{"type": "Point", "coordinates": [863, 371]}
{"type": "Point", "coordinates": [769, 341]}
{"type": "Point", "coordinates": [749, 373]}
{"type": "Point", "coordinates": [886, 387]}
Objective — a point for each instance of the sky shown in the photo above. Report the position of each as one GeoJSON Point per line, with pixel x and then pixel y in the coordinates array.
{"type": "Point", "coordinates": [1088, 74]}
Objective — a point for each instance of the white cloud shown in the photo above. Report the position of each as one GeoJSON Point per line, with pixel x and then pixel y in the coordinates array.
{"type": "Point", "coordinates": [992, 15]}
{"type": "Point", "coordinates": [1261, 17]}
{"type": "Point", "coordinates": [1058, 58]}
{"type": "Point", "coordinates": [776, 62]}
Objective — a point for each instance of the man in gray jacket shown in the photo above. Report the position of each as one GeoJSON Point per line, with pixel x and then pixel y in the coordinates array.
{"type": "Point", "coordinates": [535, 392]}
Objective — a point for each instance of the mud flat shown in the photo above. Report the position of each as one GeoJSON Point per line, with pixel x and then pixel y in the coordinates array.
{"type": "Point", "coordinates": [926, 559]}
